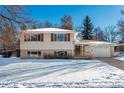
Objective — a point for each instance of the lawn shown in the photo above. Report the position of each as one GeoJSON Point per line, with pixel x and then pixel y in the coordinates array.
{"type": "Point", "coordinates": [31, 73]}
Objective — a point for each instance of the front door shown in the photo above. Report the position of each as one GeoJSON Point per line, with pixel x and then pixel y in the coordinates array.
{"type": "Point", "coordinates": [78, 50]}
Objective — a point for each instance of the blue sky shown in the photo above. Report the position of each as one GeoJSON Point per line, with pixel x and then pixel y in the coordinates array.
{"type": "Point", "coordinates": [101, 15]}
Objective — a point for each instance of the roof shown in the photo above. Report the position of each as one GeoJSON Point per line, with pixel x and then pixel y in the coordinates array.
{"type": "Point", "coordinates": [48, 30]}
{"type": "Point", "coordinates": [97, 43]}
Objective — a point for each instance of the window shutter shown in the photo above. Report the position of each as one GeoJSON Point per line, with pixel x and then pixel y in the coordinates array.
{"type": "Point", "coordinates": [51, 37]}
{"type": "Point", "coordinates": [42, 37]}
{"type": "Point", "coordinates": [68, 37]}
{"type": "Point", "coordinates": [25, 37]}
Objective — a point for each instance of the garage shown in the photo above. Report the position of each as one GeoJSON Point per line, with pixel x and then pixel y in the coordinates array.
{"type": "Point", "coordinates": [90, 48]}
{"type": "Point", "coordinates": [98, 50]}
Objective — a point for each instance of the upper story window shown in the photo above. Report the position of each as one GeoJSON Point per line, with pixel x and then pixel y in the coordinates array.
{"type": "Point", "coordinates": [33, 37]}
{"type": "Point", "coordinates": [60, 37]}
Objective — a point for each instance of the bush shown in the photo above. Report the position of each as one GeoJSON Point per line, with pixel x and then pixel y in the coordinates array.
{"type": "Point", "coordinates": [51, 56]}
{"type": "Point", "coordinates": [7, 54]}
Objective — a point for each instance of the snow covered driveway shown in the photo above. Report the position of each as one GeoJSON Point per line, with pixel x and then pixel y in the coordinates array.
{"type": "Point", "coordinates": [15, 72]}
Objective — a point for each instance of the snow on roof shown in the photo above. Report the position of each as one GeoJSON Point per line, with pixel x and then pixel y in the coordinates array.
{"type": "Point", "coordinates": [76, 37]}
{"type": "Point", "coordinates": [50, 29]}
{"type": "Point", "coordinates": [92, 42]}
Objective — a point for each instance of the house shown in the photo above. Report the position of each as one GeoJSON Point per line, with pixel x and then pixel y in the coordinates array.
{"type": "Point", "coordinates": [46, 41]}
{"type": "Point", "coordinates": [39, 43]}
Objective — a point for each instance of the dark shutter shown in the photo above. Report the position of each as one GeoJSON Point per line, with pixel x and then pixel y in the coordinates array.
{"type": "Point", "coordinates": [25, 37]}
{"type": "Point", "coordinates": [68, 37]}
{"type": "Point", "coordinates": [51, 37]}
{"type": "Point", "coordinates": [41, 37]}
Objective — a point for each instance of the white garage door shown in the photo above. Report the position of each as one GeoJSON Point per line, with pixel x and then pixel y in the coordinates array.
{"type": "Point", "coordinates": [99, 51]}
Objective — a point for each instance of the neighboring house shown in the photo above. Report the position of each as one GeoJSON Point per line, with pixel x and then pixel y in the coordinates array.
{"type": "Point", "coordinates": [37, 43]}
{"type": "Point", "coordinates": [9, 48]}
{"type": "Point", "coordinates": [1, 45]}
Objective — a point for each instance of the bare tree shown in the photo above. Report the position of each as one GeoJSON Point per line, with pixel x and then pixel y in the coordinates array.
{"type": "Point", "coordinates": [111, 34]}
{"type": "Point", "coordinates": [99, 34]}
{"type": "Point", "coordinates": [121, 28]}
{"type": "Point", "coordinates": [66, 22]}
{"type": "Point", "coordinates": [45, 24]}
{"type": "Point", "coordinates": [9, 41]}
{"type": "Point", "coordinates": [12, 19]}
{"type": "Point", "coordinates": [12, 16]}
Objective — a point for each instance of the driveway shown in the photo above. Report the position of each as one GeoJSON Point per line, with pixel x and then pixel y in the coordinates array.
{"type": "Point", "coordinates": [114, 62]}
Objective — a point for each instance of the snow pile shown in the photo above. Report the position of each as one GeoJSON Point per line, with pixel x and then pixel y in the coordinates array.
{"type": "Point", "coordinates": [58, 73]}
{"type": "Point", "coordinates": [120, 57]}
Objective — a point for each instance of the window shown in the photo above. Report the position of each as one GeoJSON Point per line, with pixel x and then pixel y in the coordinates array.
{"type": "Point", "coordinates": [60, 53]}
{"type": "Point", "coordinates": [34, 53]}
{"type": "Point", "coordinates": [60, 37]}
{"type": "Point", "coordinates": [33, 37]}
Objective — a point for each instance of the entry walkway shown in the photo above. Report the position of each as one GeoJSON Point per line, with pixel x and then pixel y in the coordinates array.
{"type": "Point", "coordinates": [113, 62]}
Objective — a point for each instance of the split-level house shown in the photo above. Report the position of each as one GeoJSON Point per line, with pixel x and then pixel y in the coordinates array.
{"type": "Point", "coordinates": [46, 41]}
{"type": "Point", "coordinates": [39, 43]}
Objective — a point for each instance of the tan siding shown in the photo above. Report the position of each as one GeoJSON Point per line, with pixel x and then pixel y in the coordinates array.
{"type": "Point", "coordinates": [24, 52]}
{"type": "Point", "coordinates": [112, 51]}
{"type": "Point", "coordinates": [47, 44]}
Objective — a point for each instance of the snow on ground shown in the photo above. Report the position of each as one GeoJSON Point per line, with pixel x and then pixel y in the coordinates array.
{"type": "Point", "coordinates": [30, 73]}
{"type": "Point", "coordinates": [120, 57]}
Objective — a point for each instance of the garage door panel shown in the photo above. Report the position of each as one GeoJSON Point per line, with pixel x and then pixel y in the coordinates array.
{"type": "Point", "coordinates": [99, 51]}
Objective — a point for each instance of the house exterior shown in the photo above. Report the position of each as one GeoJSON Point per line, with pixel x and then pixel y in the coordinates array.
{"type": "Point", "coordinates": [46, 41]}
{"type": "Point", "coordinates": [39, 43]}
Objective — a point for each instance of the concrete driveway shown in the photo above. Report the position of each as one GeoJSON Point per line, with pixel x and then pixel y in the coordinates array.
{"type": "Point", "coordinates": [114, 62]}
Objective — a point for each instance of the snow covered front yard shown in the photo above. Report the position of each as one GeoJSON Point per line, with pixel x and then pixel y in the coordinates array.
{"type": "Point", "coordinates": [31, 73]}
